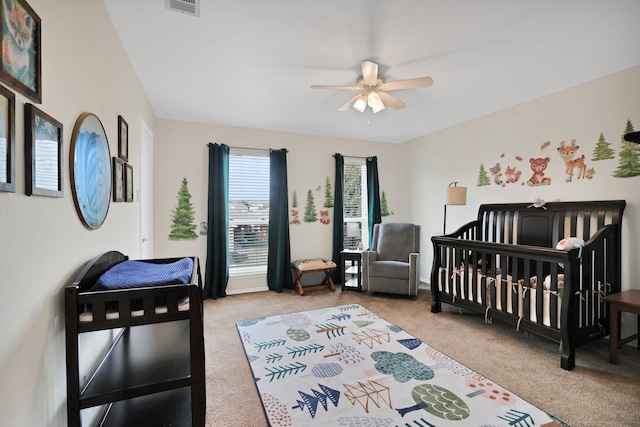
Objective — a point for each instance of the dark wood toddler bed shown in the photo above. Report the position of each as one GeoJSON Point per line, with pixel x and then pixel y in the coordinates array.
{"type": "Point", "coordinates": [153, 372]}
{"type": "Point", "coordinates": [505, 264]}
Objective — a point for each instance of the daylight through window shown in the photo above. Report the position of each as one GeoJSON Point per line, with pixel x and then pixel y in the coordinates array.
{"type": "Point", "coordinates": [248, 210]}
{"type": "Point", "coordinates": [355, 200]}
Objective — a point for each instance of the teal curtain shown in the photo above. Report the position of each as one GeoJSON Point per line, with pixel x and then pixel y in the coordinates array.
{"type": "Point", "coordinates": [279, 255]}
{"type": "Point", "coordinates": [338, 214]}
{"type": "Point", "coordinates": [216, 274]}
{"type": "Point", "coordinates": [373, 195]}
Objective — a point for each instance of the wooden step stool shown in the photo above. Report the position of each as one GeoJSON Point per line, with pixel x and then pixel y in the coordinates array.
{"type": "Point", "coordinates": [313, 265]}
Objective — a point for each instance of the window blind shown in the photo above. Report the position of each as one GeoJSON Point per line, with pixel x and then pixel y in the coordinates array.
{"type": "Point", "coordinates": [355, 199]}
{"type": "Point", "coordinates": [248, 209]}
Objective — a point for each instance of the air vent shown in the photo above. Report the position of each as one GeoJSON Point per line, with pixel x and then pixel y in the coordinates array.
{"type": "Point", "coordinates": [189, 7]}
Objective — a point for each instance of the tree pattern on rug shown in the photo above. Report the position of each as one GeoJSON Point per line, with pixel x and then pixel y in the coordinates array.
{"type": "Point", "coordinates": [303, 363]}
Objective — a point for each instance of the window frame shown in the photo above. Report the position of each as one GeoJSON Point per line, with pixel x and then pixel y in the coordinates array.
{"type": "Point", "coordinates": [263, 222]}
{"type": "Point", "coordinates": [363, 219]}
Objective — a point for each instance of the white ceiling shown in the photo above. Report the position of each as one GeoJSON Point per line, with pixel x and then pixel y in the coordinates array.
{"type": "Point", "coordinates": [250, 63]}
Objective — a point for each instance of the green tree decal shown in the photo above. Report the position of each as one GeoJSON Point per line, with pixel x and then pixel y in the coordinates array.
{"type": "Point", "coordinates": [603, 150]}
{"type": "Point", "coordinates": [384, 210]}
{"type": "Point", "coordinates": [310, 209]}
{"type": "Point", "coordinates": [483, 177]}
{"type": "Point", "coordinates": [328, 195]}
{"type": "Point", "coordinates": [182, 225]}
{"type": "Point", "coordinates": [628, 157]}
{"type": "Point", "coordinates": [294, 202]}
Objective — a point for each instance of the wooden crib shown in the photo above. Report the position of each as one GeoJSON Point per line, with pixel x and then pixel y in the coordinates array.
{"type": "Point", "coordinates": [505, 264]}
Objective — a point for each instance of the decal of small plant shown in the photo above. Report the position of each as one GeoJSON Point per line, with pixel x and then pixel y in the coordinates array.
{"type": "Point", "coordinates": [182, 225]}
{"type": "Point", "coordinates": [603, 150]}
{"type": "Point", "coordinates": [483, 177]}
{"type": "Point", "coordinates": [628, 156]}
{"type": "Point", "coordinates": [294, 199]}
{"type": "Point", "coordinates": [328, 195]}
{"type": "Point", "coordinates": [310, 209]}
{"type": "Point", "coordinates": [384, 210]}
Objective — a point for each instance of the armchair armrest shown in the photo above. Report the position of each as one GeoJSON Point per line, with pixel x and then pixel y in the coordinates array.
{"type": "Point", "coordinates": [367, 258]}
{"type": "Point", "coordinates": [414, 275]}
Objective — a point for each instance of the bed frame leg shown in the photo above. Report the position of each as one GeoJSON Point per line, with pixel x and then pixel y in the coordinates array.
{"type": "Point", "coordinates": [568, 361]}
{"type": "Point", "coordinates": [436, 306]}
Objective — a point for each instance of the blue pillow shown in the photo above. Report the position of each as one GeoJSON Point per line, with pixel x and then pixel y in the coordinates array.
{"type": "Point", "coordinates": [135, 274]}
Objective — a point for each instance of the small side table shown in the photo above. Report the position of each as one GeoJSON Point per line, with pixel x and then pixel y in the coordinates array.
{"type": "Point", "coordinates": [355, 258]}
{"type": "Point", "coordinates": [628, 301]}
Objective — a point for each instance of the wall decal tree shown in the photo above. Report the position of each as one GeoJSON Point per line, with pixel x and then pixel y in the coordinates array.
{"type": "Point", "coordinates": [310, 209]}
{"type": "Point", "coordinates": [628, 157]}
{"type": "Point", "coordinates": [603, 150]}
{"type": "Point", "coordinates": [182, 225]}
{"type": "Point", "coordinates": [328, 195]}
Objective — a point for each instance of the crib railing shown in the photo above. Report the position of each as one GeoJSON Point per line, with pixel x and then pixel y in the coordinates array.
{"type": "Point", "coordinates": [553, 293]}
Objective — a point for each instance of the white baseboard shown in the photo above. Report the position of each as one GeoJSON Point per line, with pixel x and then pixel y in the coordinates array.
{"type": "Point", "coordinates": [247, 290]}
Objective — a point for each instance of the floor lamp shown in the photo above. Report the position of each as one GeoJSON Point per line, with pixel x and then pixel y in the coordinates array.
{"type": "Point", "coordinates": [455, 196]}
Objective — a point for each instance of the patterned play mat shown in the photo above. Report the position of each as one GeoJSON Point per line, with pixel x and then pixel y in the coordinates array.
{"type": "Point", "coordinates": [345, 366]}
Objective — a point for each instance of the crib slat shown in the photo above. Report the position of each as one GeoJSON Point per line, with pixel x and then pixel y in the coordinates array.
{"type": "Point", "coordinates": [515, 243]}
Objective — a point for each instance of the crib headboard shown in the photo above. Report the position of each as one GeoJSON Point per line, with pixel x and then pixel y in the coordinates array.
{"type": "Point", "coordinates": [524, 224]}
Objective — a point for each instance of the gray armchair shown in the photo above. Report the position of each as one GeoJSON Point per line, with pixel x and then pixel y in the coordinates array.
{"type": "Point", "coordinates": [392, 264]}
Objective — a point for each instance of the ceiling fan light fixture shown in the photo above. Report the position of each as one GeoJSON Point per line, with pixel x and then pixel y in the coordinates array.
{"type": "Point", "coordinates": [377, 107]}
{"type": "Point", "coordinates": [361, 103]}
{"type": "Point", "coordinates": [373, 98]}
{"type": "Point", "coordinates": [374, 101]}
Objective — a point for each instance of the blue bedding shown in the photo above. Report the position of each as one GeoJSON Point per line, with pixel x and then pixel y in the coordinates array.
{"type": "Point", "coordinates": [135, 274]}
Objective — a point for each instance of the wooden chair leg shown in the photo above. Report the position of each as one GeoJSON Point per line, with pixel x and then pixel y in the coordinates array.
{"type": "Point", "coordinates": [328, 281]}
{"type": "Point", "coordinates": [298, 274]}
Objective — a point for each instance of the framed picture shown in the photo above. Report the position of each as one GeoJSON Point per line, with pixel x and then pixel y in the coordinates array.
{"type": "Point", "coordinates": [123, 139]}
{"type": "Point", "coordinates": [42, 153]}
{"type": "Point", "coordinates": [128, 183]}
{"type": "Point", "coordinates": [7, 140]}
{"type": "Point", "coordinates": [90, 170]}
{"type": "Point", "coordinates": [20, 49]}
{"type": "Point", "coordinates": [118, 180]}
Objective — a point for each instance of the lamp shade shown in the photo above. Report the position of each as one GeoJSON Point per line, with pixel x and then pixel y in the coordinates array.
{"type": "Point", "coordinates": [456, 196]}
{"type": "Point", "coordinates": [361, 103]}
{"type": "Point", "coordinates": [353, 229]}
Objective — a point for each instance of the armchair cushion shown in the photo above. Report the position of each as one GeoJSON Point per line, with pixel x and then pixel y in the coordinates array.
{"type": "Point", "coordinates": [395, 241]}
{"type": "Point", "coordinates": [390, 269]}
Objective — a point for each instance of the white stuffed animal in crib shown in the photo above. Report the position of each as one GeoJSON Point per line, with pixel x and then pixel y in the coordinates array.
{"type": "Point", "coordinates": [570, 243]}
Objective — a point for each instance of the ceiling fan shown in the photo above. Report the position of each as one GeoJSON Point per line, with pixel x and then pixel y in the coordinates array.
{"type": "Point", "coordinates": [373, 89]}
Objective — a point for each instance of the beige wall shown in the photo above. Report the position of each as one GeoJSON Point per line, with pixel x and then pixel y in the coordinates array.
{"type": "Point", "coordinates": [42, 241]}
{"type": "Point", "coordinates": [581, 113]}
{"type": "Point", "coordinates": [180, 150]}
{"type": "Point", "coordinates": [85, 68]}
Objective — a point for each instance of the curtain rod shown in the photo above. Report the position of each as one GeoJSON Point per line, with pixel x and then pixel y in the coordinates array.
{"type": "Point", "coordinates": [251, 148]}
{"type": "Point", "coordinates": [355, 157]}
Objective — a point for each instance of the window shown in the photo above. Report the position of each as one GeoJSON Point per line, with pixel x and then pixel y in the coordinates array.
{"type": "Point", "coordinates": [355, 201]}
{"type": "Point", "coordinates": [248, 211]}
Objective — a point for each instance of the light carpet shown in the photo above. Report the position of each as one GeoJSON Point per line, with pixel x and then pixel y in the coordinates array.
{"type": "Point", "coordinates": [346, 366]}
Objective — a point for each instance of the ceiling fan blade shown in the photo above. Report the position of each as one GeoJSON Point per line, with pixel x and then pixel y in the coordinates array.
{"type": "Point", "coordinates": [391, 101]}
{"type": "Point", "coordinates": [369, 72]}
{"type": "Point", "coordinates": [335, 87]}
{"type": "Point", "coordinates": [349, 103]}
{"type": "Point", "coordinates": [407, 84]}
